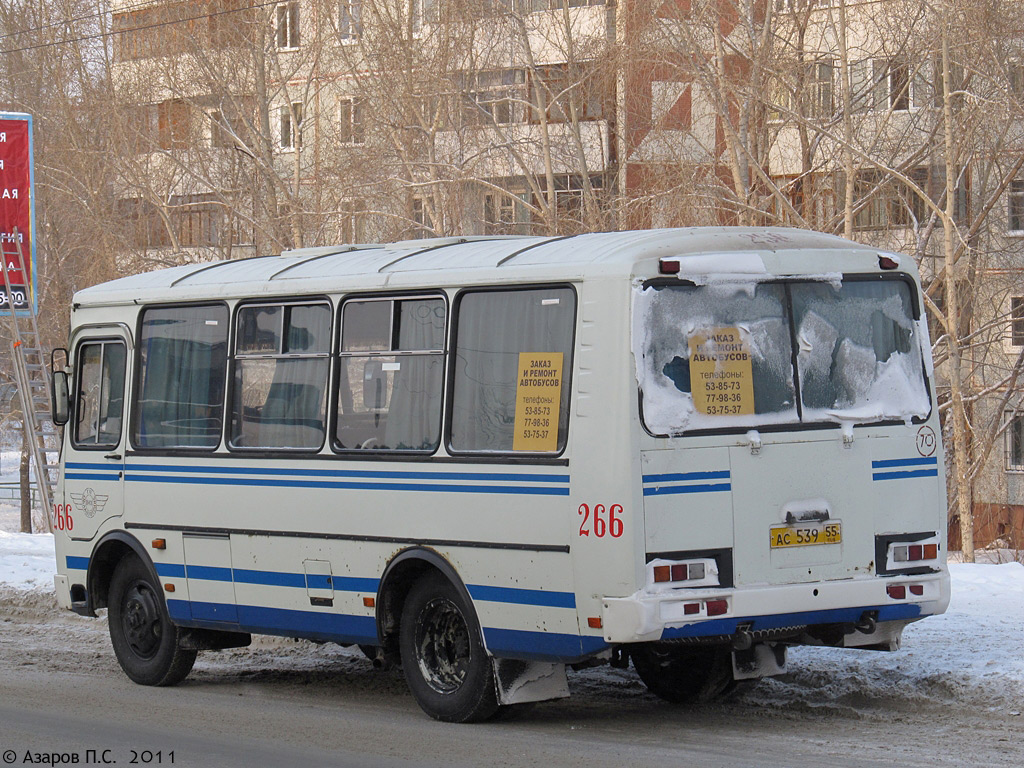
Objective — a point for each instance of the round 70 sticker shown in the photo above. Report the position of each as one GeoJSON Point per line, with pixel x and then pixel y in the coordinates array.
{"type": "Point", "coordinates": [926, 441]}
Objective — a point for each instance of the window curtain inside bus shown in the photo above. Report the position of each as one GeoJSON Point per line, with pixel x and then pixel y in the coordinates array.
{"type": "Point", "coordinates": [184, 354]}
{"type": "Point", "coordinates": [494, 327]}
{"type": "Point", "coordinates": [414, 415]}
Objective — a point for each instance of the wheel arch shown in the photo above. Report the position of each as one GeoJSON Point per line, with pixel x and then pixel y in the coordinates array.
{"type": "Point", "coordinates": [108, 552]}
{"type": "Point", "coordinates": [402, 571]}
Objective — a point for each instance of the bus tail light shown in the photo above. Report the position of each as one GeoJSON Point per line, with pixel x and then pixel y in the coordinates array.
{"type": "Point", "coordinates": [702, 572]}
{"type": "Point", "coordinates": [717, 607]}
{"type": "Point", "coordinates": [913, 553]}
{"type": "Point", "coordinates": [896, 591]}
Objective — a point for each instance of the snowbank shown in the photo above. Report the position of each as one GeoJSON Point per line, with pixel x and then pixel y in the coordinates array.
{"type": "Point", "coordinates": [26, 561]}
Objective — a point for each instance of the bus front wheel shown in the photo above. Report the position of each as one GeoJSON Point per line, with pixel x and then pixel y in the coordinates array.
{"type": "Point", "coordinates": [443, 658]}
{"type": "Point", "coordinates": [683, 675]}
{"type": "Point", "coordinates": [144, 639]}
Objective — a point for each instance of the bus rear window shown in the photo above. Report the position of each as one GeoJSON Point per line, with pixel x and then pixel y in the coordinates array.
{"type": "Point", "coordinates": [722, 356]}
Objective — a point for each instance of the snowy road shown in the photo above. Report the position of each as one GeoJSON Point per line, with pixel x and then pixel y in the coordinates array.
{"type": "Point", "coordinates": [953, 697]}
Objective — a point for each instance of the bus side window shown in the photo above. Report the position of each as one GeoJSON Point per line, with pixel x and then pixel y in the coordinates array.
{"type": "Point", "coordinates": [391, 374]}
{"type": "Point", "coordinates": [182, 364]}
{"type": "Point", "coordinates": [497, 330]}
{"type": "Point", "coordinates": [282, 357]}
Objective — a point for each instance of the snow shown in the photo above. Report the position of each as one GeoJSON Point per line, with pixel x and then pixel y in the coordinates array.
{"type": "Point", "coordinates": [26, 561]}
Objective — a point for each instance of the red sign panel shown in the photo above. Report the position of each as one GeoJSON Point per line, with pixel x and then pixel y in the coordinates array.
{"type": "Point", "coordinates": [16, 205]}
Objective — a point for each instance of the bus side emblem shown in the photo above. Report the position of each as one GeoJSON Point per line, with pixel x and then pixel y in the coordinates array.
{"type": "Point", "coordinates": [89, 502]}
{"type": "Point", "coordinates": [926, 441]}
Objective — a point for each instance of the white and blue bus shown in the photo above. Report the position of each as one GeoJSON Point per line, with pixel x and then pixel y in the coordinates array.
{"type": "Point", "coordinates": [487, 459]}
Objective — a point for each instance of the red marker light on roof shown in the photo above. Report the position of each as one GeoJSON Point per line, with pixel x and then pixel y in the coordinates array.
{"type": "Point", "coordinates": [884, 262]}
{"type": "Point", "coordinates": [668, 266]}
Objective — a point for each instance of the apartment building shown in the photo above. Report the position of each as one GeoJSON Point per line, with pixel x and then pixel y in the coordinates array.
{"type": "Point", "coordinates": [258, 126]}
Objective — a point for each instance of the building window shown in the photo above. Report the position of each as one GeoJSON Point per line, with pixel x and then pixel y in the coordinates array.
{"type": "Point", "coordinates": [391, 375]}
{"type": "Point", "coordinates": [350, 19]}
{"type": "Point", "coordinates": [173, 124]}
{"type": "Point", "coordinates": [820, 99]}
{"type": "Point", "coordinates": [884, 206]}
{"type": "Point", "coordinates": [1016, 78]}
{"type": "Point", "coordinates": [288, 25]}
{"type": "Point", "coordinates": [494, 97]}
{"type": "Point", "coordinates": [182, 362]}
{"type": "Point", "coordinates": [1014, 441]}
{"type": "Point", "coordinates": [499, 214]}
{"type": "Point", "coordinates": [880, 85]}
{"type": "Point", "coordinates": [350, 128]}
{"type": "Point", "coordinates": [352, 223]}
{"type": "Point", "coordinates": [282, 356]}
{"type": "Point", "coordinates": [291, 126]}
{"type": "Point", "coordinates": [554, 86]}
{"type": "Point", "coordinates": [1017, 321]}
{"type": "Point", "coordinates": [1015, 218]}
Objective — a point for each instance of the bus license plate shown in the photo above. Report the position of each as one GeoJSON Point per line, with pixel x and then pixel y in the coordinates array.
{"type": "Point", "coordinates": [806, 535]}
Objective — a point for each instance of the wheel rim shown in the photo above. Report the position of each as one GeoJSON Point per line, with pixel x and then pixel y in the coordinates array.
{"type": "Point", "coordinates": [443, 646]}
{"type": "Point", "coordinates": [140, 620]}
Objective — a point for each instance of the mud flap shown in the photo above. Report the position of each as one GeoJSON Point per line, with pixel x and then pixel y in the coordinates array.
{"type": "Point", "coordinates": [759, 660]}
{"type": "Point", "coordinates": [521, 681]}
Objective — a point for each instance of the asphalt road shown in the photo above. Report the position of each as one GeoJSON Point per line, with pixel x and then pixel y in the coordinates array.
{"type": "Point", "coordinates": [296, 705]}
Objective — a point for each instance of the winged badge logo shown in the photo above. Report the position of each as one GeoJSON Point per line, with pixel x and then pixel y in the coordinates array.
{"type": "Point", "coordinates": [89, 502]}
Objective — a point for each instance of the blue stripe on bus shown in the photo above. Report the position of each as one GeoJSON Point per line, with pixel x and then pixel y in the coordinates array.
{"type": "Point", "coordinates": [77, 563]}
{"type": "Point", "coordinates": [268, 578]}
{"type": "Point", "coordinates": [365, 474]}
{"type": "Point", "coordinates": [207, 572]}
{"type": "Point", "coordinates": [902, 475]}
{"type": "Point", "coordinates": [273, 621]}
{"type": "Point", "coordinates": [778, 621]}
{"type": "Point", "coordinates": [704, 488]}
{"type": "Point", "coordinates": [363, 629]}
{"type": "Point", "coordinates": [419, 487]}
{"type": "Point", "coordinates": [682, 476]}
{"type": "Point", "coordinates": [542, 646]}
{"type": "Point", "coordinates": [91, 476]}
{"type": "Point", "coordinates": [912, 462]}
{"type": "Point", "coordinates": [516, 596]}
{"type": "Point", "coordinates": [170, 570]}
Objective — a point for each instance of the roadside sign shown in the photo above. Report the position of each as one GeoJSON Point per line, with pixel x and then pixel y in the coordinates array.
{"type": "Point", "coordinates": [17, 210]}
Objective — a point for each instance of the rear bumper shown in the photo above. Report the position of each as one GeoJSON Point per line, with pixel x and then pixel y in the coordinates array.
{"type": "Point", "coordinates": [663, 615]}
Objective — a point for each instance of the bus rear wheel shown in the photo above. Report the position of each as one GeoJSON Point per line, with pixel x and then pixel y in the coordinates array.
{"type": "Point", "coordinates": [144, 639]}
{"type": "Point", "coordinates": [443, 657]}
{"type": "Point", "coordinates": [684, 675]}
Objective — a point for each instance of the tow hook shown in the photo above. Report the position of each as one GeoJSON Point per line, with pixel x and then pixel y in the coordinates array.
{"type": "Point", "coordinates": [868, 622]}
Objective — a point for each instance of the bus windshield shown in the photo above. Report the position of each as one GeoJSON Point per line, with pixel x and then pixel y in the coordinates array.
{"type": "Point", "coordinates": [742, 356]}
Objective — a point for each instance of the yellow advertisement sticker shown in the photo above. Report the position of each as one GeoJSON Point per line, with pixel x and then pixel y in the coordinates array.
{"type": "Point", "coordinates": [538, 400]}
{"type": "Point", "coordinates": [721, 374]}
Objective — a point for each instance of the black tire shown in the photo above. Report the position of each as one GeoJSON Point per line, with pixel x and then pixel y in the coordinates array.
{"type": "Point", "coordinates": [144, 639]}
{"type": "Point", "coordinates": [683, 675]}
{"type": "Point", "coordinates": [443, 657]}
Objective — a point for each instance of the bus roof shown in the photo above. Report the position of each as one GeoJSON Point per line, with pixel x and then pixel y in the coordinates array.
{"type": "Point", "coordinates": [443, 261]}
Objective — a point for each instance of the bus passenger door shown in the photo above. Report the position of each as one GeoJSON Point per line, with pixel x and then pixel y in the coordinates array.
{"type": "Point", "coordinates": [94, 451]}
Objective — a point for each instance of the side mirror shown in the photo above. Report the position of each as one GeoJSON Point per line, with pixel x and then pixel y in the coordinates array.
{"type": "Point", "coordinates": [60, 409]}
